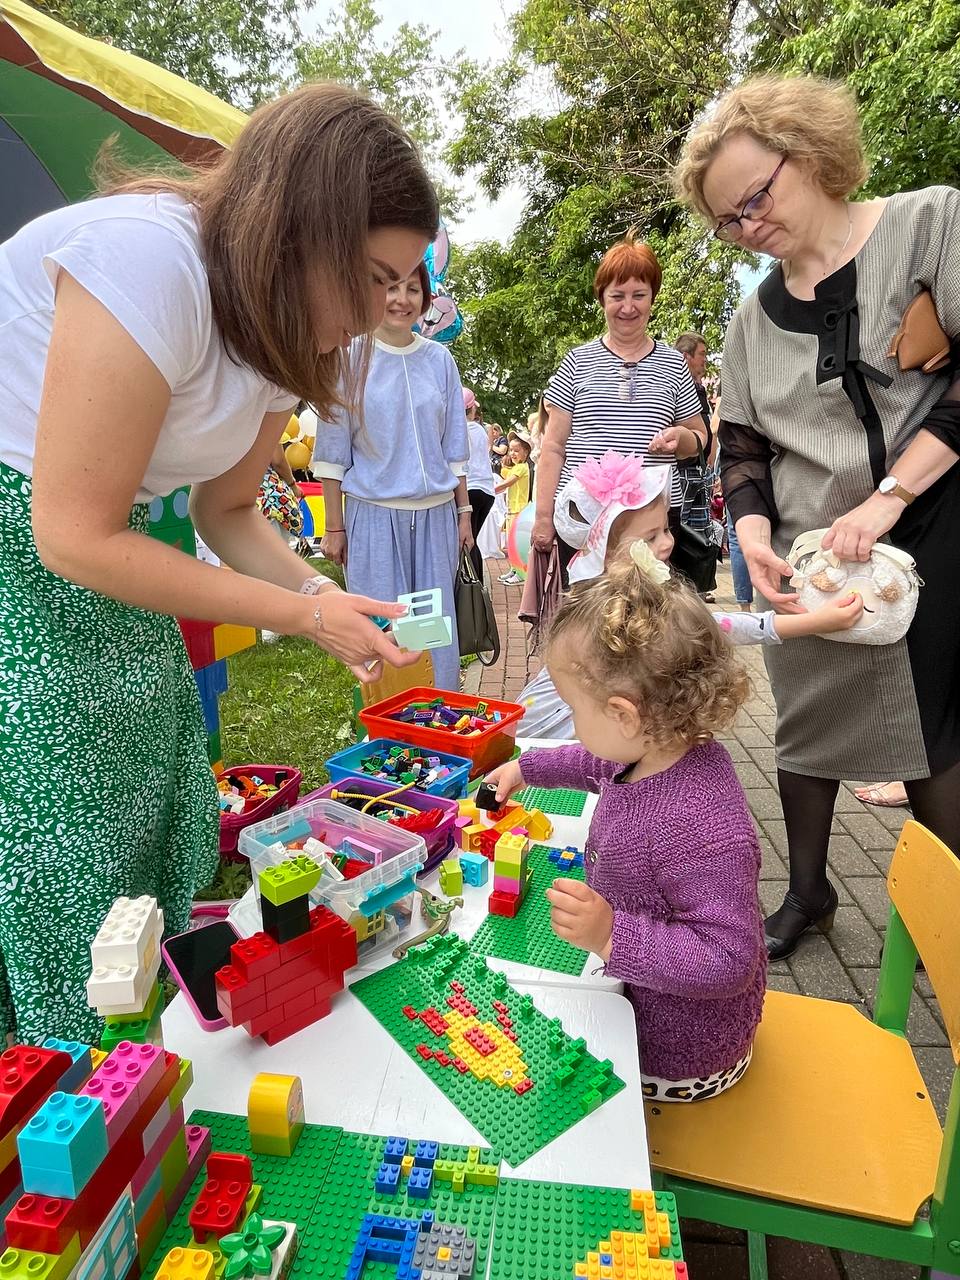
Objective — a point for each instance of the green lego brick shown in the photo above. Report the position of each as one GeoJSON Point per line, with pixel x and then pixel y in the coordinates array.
{"type": "Point", "coordinates": [214, 749]}
{"type": "Point", "coordinates": [173, 1164]}
{"type": "Point", "coordinates": [349, 1193]}
{"type": "Point", "coordinates": [528, 938]}
{"type": "Point", "coordinates": [567, 1080]}
{"type": "Point", "coordinates": [291, 1187]}
{"type": "Point", "coordinates": [559, 801]}
{"type": "Point", "coordinates": [544, 1229]}
{"type": "Point", "coordinates": [142, 1030]}
{"type": "Point", "coordinates": [146, 1012]}
{"type": "Point", "coordinates": [289, 880]}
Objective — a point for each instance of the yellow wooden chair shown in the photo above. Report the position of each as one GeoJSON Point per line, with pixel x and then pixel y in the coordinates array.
{"type": "Point", "coordinates": [830, 1137]}
{"type": "Point", "coordinates": [397, 680]}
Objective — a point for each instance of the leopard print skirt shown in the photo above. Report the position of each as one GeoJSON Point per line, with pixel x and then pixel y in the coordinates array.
{"type": "Point", "coordinates": [697, 1087]}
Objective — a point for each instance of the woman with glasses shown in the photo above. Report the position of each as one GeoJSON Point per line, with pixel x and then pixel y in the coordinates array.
{"type": "Point", "coordinates": [821, 428]}
{"type": "Point", "coordinates": [623, 391]}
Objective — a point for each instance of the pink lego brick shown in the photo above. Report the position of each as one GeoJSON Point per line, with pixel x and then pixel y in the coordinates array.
{"type": "Point", "coordinates": [198, 1147]}
{"type": "Point", "coordinates": [120, 1102]}
{"type": "Point", "coordinates": [506, 884]}
{"type": "Point", "coordinates": [157, 1148]}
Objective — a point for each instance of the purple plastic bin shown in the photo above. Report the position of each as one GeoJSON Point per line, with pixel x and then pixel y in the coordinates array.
{"type": "Point", "coordinates": [439, 841]}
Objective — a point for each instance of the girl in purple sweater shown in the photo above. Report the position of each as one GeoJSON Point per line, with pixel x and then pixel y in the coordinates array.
{"type": "Point", "coordinates": [672, 861]}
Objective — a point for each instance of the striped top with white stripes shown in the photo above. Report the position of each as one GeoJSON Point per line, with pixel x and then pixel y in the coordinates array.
{"type": "Point", "coordinates": [620, 404]}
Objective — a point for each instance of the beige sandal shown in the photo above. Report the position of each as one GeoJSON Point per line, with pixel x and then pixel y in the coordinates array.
{"type": "Point", "coordinates": [882, 797]}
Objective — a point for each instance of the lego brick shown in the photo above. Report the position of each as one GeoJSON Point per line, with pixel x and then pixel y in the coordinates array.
{"type": "Point", "coordinates": [113, 1250]}
{"type": "Point", "coordinates": [275, 1112]}
{"type": "Point", "coordinates": [538, 825]}
{"type": "Point", "coordinates": [503, 904]}
{"type": "Point", "coordinates": [22, 1264]}
{"type": "Point", "coordinates": [219, 1207]}
{"type": "Point", "coordinates": [42, 1224]}
{"type": "Point", "coordinates": [255, 956]}
{"type": "Point", "coordinates": [535, 943]}
{"type": "Point", "coordinates": [186, 1264]}
{"type": "Point", "coordinates": [81, 1059]}
{"type": "Point", "coordinates": [293, 878]}
{"type": "Point", "coordinates": [471, 835]}
{"type": "Point", "coordinates": [62, 1144]}
{"type": "Point", "coordinates": [184, 1081]}
{"type": "Point", "coordinates": [557, 801]}
{"type": "Point", "coordinates": [173, 1162]}
{"type": "Point", "coordinates": [123, 988]}
{"type": "Point", "coordinates": [198, 638]}
{"type": "Point", "coordinates": [562, 1225]}
{"type": "Point", "coordinates": [485, 797]}
{"type": "Point", "coordinates": [229, 638]}
{"type": "Point", "coordinates": [475, 868]}
{"type": "Point", "coordinates": [445, 973]}
{"type": "Point", "coordinates": [129, 935]}
{"type": "Point", "coordinates": [27, 1077]}
{"type": "Point", "coordinates": [287, 922]}
{"type": "Point", "coordinates": [151, 1228]}
{"type": "Point", "coordinates": [506, 884]}
{"type": "Point", "coordinates": [152, 1004]}
{"type": "Point", "coordinates": [198, 1146]}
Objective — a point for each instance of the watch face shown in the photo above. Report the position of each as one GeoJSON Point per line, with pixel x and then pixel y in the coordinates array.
{"type": "Point", "coordinates": [887, 484]}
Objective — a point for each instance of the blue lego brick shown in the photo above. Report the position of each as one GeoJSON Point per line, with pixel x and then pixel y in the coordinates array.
{"type": "Point", "coordinates": [211, 683]}
{"type": "Point", "coordinates": [424, 1154]}
{"type": "Point", "coordinates": [385, 896]}
{"type": "Point", "coordinates": [475, 868]}
{"type": "Point", "coordinates": [420, 1182]}
{"type": "Point", "coordinates": [562, 859]}
{"type": "Point", "coordinates": [394, 1149]}
{"type": "Point", "coordinates": [82, 1066]}
{"type": "Point", "coordinates": [62, 1144]}
{"type": "Point", "coordinates": [388, 1179]}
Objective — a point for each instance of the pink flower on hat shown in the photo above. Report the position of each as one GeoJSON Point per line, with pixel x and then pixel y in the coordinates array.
{"type": "Point", "coordinates": [615, 478]}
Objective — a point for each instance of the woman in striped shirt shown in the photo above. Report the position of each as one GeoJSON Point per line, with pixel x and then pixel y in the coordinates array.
{"type": "Point", "coordinates": [623, 391]}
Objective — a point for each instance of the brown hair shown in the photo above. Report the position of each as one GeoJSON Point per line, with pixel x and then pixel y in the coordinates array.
{"type": "Point", "coordinates": [628, 259]}
{"type": "Point", "coordinates": [812, 121]}
{"type": "Point", "coordinates": [688, 343]}
{"type": "Point", "coordinates": [423, 276]}
{"type": "Point", "coordinates": [283, 221]}
{"type": "Point", "coordinates": [655, 644]}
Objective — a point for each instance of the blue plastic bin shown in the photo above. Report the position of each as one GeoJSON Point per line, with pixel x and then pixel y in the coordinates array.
{"type": "Point", "coordinates": [346, 764]}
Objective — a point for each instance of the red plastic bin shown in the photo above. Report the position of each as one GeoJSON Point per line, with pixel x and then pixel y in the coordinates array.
{"type": "Point", "coordinates": [485, 750]}
{"type": "Point", "coordinates": [231, 824]}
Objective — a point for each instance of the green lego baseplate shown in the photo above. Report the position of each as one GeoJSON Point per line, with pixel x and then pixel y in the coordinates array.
{"type": "Point", "coordinates": [555, 800]}
{"type": "Point", "coordinates": [528, 938]}
{"type": "Point", "coordinates": [525, 1230]}
{"type": "Point", "coordinates": [545, 1229]}
{"type": "Point", "coordinates": [515, 1074]}
{"type": "Point", "coordinates": [349, 1193]}
{"type": "Point", "coordinates": [292, 1186]}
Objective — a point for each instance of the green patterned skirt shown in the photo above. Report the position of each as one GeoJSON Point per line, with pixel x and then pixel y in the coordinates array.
{"type": "Point", "coordinates": [105, 788]}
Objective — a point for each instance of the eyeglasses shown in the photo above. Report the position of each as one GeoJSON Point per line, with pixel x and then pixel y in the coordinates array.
{"type": "Point", "coordinates": [628, 373]}
{"type": "Point", "coordinates": [758, 206]}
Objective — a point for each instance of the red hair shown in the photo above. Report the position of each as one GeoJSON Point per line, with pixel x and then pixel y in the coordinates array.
{"type": "Point", "coordinates": [628, 259]}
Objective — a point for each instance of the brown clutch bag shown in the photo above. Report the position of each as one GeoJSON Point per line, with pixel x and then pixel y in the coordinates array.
{"type": "Point", "coordinates": [920, 342]}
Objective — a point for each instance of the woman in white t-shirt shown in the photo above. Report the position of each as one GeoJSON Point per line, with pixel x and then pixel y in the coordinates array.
{"type": "Point", "coordinates": [481, 482]}
{"type": "Point", "coordinates": [157, 337]}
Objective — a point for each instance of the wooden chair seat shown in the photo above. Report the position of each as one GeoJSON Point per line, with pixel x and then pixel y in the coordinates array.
{"type": "Point", "coordinates": [832, 1114]}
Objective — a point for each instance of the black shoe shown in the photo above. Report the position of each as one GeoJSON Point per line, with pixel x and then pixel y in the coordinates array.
{"type": "Point", "coordinates": [780, 946]}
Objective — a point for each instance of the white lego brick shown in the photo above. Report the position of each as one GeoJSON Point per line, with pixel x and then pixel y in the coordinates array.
{"type": "Point", "coordinates": [121, 988]}
{"type": "Point", "coordinates": [131, 931]}
{"type": "Point", "coordinates": [285, 1251]}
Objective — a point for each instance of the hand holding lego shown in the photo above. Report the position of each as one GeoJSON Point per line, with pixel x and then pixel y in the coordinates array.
{"type": "Point", "coordinates": [580, 916]}
{"type": "Point", "coordinates": [341, 624]}
{"type": "Point", "coordinates": [839, 615]}
{"type": "Point", "coordinates": [507, 779]}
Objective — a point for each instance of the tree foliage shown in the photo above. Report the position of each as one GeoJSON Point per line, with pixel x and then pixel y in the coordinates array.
{"type": "Point", "coordinates": [237, 49]}
{"type": "Point", "coordinates": [403, 73]}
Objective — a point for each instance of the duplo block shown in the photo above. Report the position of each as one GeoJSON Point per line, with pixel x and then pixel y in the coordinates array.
{"type": "Point", "coordinates": [451, 877]}
{"type": "Point", "coordinates": [23, 1264]}
{"type": "Point", "coordinates": [423, 626]}
{"type": "Point", "coordinates": [275, 1113]}
{"type": "Point", "coordinates": [130, 933]}
{"type": "Point", "coordinates": [286, 922]}
{"type": "Point", "coordinates": [62, 1145]}
{"type": "Point", "coordinates": [187, 1264]}
{"type": "Point", "coordinates": [81, 1060]}
{"type": "Point", "coordinates": [290, 879]}
{"type": "Point", "coordinates": [474, 867]}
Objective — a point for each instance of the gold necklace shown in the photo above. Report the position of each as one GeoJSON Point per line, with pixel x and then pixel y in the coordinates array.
{"type": "Point", "coordinates": [833, 265]}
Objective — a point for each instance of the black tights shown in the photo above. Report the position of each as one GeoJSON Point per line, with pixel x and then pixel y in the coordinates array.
{"type": "Point", "coordinates": [808, 812]}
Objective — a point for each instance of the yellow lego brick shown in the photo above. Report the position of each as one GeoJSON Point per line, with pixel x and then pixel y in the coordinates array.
{"type": "Point", "coordinates": [96, 1057]}
{"type": "Point", "coordinates": [228, 639]}
{"type": "Point", "coordinates": [186, 1264]}
{"type": "Point", "coordinates": [539, 826]}
{"type": "Point", "coordinates": [514, 817]}
{"type": "Point", "coordinates": [275, 1109]}
{"type": "Point", "coordinates": [406, 1164]}
{"type": "Point", "coordinates": [470, 837]}
{"type": "Point", "coordinates": [184, 1081]}
{"type": "Point", "coordinates": [467, 809]}
{"type": "Point", "coordinates": [26, 1264]}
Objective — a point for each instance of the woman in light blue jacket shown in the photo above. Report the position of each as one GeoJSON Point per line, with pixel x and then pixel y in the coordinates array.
{"type": "Point", "coordinates": [397, 471]}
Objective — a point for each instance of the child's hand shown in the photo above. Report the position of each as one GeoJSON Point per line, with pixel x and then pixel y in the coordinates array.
{"type": "Point", "coordinates": [507, 779]}
{"type": "Point", "coordinates": [580, 916]}
{"type": "Point", "coordinates": [838, 616]}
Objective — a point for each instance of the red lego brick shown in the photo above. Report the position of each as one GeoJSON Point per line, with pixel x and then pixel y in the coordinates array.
{"type": "Point", "coordinates": [303, 944]}
{"type": "Point", "coordinates": [488, 844]}
{"type": "Point", "coordinates": [503, 904]}
{"type": "Point", "coordinates": [255, 956]}
{"type": "Point", "coordinates": [479, 1040]}
{"type": "Point", "coordinates": [237, 998]}
{"type": "Point", "coordinates": [219, 1206]}
{"type": "Point", "coordinates": [198, 637]}
{"type": "Point", "coordinates": [410, 1012]}
{"type": "Point", "coordinates": [425, 1053]}
{"type": "Point", "coordinates": [292, 1025]}
{"type": "Point", "coordinates": [27, 1077]}
{"type": "Point", "coordinates": [523, 1087]}
{"type": "Point", "coordinates": [45, 1224]}
{"type": "Point", "coordinates": [461, 1066]}
{"type": "Point", "coordinates": [310, 966]}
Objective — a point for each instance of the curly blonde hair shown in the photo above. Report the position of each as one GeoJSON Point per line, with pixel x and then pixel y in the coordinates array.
{"type": "Point", "coordinates": [813, 121]}
{"type": "Point", "coordinates": [624, 635]}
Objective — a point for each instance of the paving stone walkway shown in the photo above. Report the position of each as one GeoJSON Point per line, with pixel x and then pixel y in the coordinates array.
{"type": "Point", "coordinates": [841, 966]}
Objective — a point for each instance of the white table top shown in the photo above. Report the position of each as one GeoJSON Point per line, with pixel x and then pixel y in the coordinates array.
{"type": "Point", "coordinates": [354, 1074]}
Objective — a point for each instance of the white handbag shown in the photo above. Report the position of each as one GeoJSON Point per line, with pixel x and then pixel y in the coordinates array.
{"type": "Point", "coordinates": [888, 584]}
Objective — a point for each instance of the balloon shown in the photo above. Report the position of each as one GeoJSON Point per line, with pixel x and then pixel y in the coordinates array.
{"type": "Point", "coordinates": [298, 455]}
{"type": "Point", "coordinates": [518, 538]}
{"type": "Point", "coordinates": [443, 322]}
{"type": "Point", "coordinates": [438, 255]}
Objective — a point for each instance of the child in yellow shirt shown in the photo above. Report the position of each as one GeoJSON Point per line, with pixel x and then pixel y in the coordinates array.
{"type": "Point", "coordinates": [515, 476]}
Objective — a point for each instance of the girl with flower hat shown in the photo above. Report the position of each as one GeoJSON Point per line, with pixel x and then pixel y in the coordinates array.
{"type": "Point", "coordinates": [618, 501]}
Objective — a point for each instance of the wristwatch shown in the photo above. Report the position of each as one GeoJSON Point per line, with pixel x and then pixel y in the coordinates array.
{"type": "Point", "coordinates": [891, 485]}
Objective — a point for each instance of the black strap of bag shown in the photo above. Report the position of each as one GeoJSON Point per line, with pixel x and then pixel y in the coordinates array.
{"type": "Point", "coordinates": [476, 622]}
